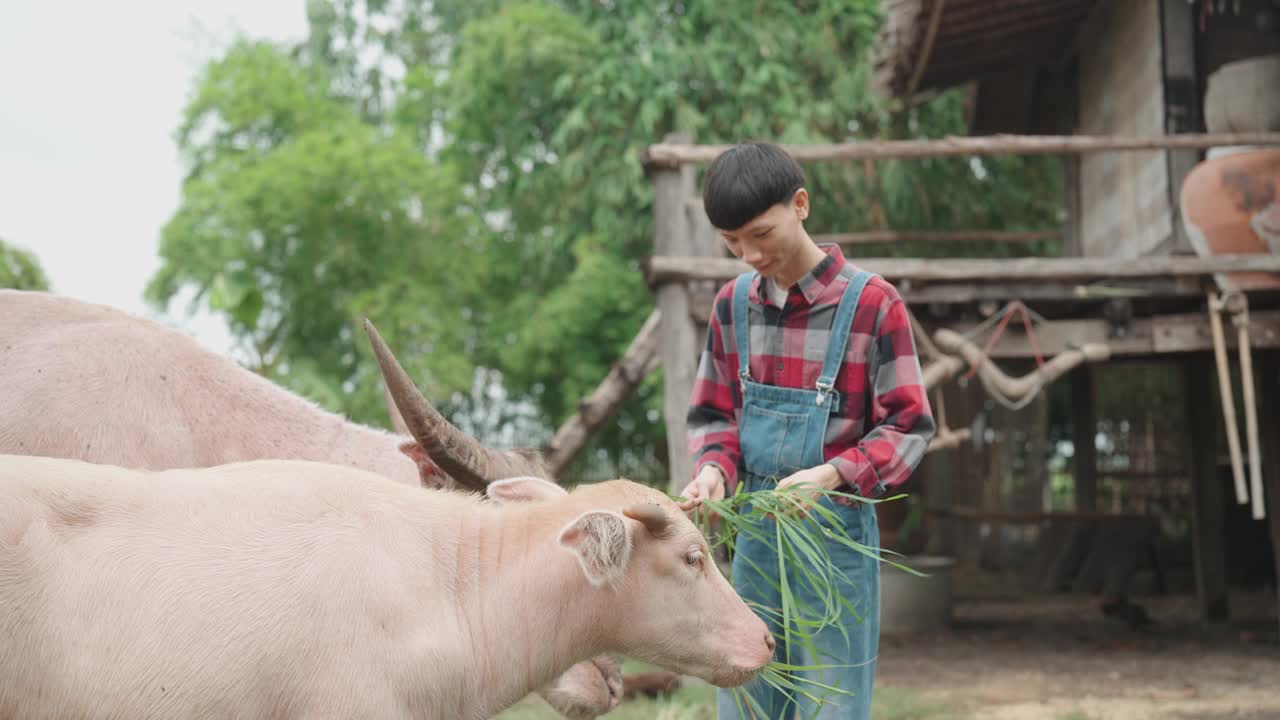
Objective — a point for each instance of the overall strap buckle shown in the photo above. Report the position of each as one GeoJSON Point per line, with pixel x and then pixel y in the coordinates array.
{"type": "Point", "coordinates": [824, 389]}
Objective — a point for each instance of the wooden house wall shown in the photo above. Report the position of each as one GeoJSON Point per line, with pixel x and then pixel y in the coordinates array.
{"type": "Point", "coordinates": [1124, 197]}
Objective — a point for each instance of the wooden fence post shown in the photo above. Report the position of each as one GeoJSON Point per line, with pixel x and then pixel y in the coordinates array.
{"type": "Point", "coordinates": [1084, 429]}
{"type": "Point", "coordinates": [1269, 411]}
{"type": "Point", "coordinates": [679, 341]}
{"type": "Point", "coordinates": [1208, 550]}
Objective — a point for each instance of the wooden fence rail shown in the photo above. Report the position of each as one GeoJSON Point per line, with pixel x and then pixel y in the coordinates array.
{"type": "Point", "coordinates": [671, 155]}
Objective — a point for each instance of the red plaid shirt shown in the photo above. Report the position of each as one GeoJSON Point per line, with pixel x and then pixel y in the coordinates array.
{"type": "Point", "coordinates": [883, 429]}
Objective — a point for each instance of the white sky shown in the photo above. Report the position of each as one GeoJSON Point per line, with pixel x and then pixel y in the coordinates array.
{"type": "Point", "coordinates": [90, 97]}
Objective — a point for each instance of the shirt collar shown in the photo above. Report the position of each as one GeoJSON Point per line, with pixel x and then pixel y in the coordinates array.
{"type": "Point", "coordinates": [813, 283]}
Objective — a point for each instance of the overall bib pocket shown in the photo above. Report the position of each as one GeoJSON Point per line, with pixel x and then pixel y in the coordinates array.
{"type": "Point", "coordinates": [779, 440]}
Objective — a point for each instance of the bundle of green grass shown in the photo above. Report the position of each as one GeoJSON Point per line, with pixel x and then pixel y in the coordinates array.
{"type": "Point", "coordinates": [801, 530]}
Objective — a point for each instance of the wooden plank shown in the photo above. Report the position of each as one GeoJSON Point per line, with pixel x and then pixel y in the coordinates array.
{"type": "Point", "coordinates": [669, 155]}
{"type": "Point", "coordinates": [1156, 335]}
{"type": "Point", "coordinates": [664, 268]}
{"type": "Point", "coordinates": [1035, 517]}
{"type": "Point", "coordinates": [889, 237]}
{"type": "Point", "coordinates": [1144, 475]}
{"type": "Point", "coordinates": [1161, 334]}
{"type": "Point", "coordinates": [1084, 428]}
{"type": "Point", "coordinates": [1178, 333]}
{"type": "Point", "coordinates": [1208, 545]}
{"type": "Point", "coordinates": [640, 359]}
{"type": "Point", "coordinates": [1048, 290]}
{"type": "Point", "coordinates": [1045, 291]}
{"type": "Point", "coordinates": [679, 343]}
{"type": "Point", "coordinates": [1124, 204]}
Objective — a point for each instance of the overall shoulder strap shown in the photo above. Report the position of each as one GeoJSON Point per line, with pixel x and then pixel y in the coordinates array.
{"type": "Point", "coordinates": [840, 327]}
{"type": "Point", "coordinates": [741, 329]}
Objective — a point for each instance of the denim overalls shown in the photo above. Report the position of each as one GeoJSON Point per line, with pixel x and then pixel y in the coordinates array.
{"type": "Point", "coordinates": [781, 431]}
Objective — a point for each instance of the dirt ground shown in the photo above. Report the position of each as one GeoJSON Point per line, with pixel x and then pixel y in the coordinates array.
{"type": "Point", "coordinates": [1059, 658]}
{"type": "Point", "coordinates": [1010, 656]}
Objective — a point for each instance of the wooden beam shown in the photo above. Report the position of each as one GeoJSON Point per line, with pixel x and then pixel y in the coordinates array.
{"type": "Point", "coordinates": [1145, 336]}
{"type": "Point", "coordinates": [1269, 413]}
{"type": "Point", "coordinates": [1156, 335]}
{"type": "Point", "coordinates": [672, 155]}
{"type": "Point", "coordinates": [1084, 429]}
{"type": "Point", "coordinates": [1208, 544]}
{"type": "Point", "coordinates": [1033, 517]}
{"type": "Point", "coordinates": [640, 359]}
{"type": "Point", "coordinates": [1034, 293]}
{"type": "Point", "coordinates": [667, 268]}
{"type": "Point", "coordinates": [1041, 291]}
{"type": "Point", "coordinates": [887, 237]}
{"type": "Point", "coordinates": [697, 214]}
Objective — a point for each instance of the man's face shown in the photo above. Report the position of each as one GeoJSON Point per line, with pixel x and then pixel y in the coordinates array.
{"type": "Point", "coordinates": [769, 242]}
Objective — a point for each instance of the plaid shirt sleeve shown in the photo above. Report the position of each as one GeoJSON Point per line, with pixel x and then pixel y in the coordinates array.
{"type": "Point", "coordinates": [900, 424]}
{"type": "Point", "coordinates": [712, 417]}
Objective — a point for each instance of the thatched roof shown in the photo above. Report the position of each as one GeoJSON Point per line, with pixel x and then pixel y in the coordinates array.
{"type": "Point", "coordinates": [934, 44]}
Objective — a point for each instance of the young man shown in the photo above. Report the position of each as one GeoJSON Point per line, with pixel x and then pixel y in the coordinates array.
{"type": "Point", "coordinates": [809, 377]}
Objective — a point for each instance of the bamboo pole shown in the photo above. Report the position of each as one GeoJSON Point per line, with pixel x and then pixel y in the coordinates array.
{"type": "Point", "coordinates": [1241, 321]}
{"type": "Point", "coordinates": [1228, 398]}
{"type": "Point", "coordinates": [676, 154]}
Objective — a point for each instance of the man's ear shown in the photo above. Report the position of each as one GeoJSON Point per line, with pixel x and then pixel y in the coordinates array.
{"type": "Point", "coordinates": [430, 474]}
{"type": "Point", "coordinates": [800, 203]}
{"type": "Point", "coordinates": [601, 540]}
{"type": "Point", "coordinates": [524, 487]}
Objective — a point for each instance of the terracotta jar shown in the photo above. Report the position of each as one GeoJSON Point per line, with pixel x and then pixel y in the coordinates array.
{"type": "Point", "coordinates": [1231, 201]}
{"type": "Point", "coordinates": [1231, 205]}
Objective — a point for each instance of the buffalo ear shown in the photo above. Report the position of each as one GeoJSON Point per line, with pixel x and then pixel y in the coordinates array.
{"type": "Point", "coordinates": [601, 540]}
{"type": "Point", "coordinates": [429, 473]}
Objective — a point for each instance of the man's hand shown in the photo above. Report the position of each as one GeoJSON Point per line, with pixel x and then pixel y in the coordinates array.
{"type": "Point", "coordinates": [708, 485]}
{"type": "Point", "coordinates": [805, 486]}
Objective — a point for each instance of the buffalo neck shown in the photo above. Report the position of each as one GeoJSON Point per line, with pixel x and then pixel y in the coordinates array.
{"type": "Point", "coordinates": [525, 611]}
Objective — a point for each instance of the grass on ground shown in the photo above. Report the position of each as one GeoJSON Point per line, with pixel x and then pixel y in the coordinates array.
{"type": "Point", "coordinates": [696, 701]}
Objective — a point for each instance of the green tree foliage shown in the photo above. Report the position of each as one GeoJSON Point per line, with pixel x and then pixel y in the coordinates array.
{"type": "Point", "coordinates": [469, 171]}
{"type": "Point", "coordinates": [19, 269]}
{"type": "Point", "coordinates": [298, 218]}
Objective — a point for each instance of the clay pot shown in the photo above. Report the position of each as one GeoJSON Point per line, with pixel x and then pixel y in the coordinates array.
{"type": "Point", "coordinates": [1231, 205]}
